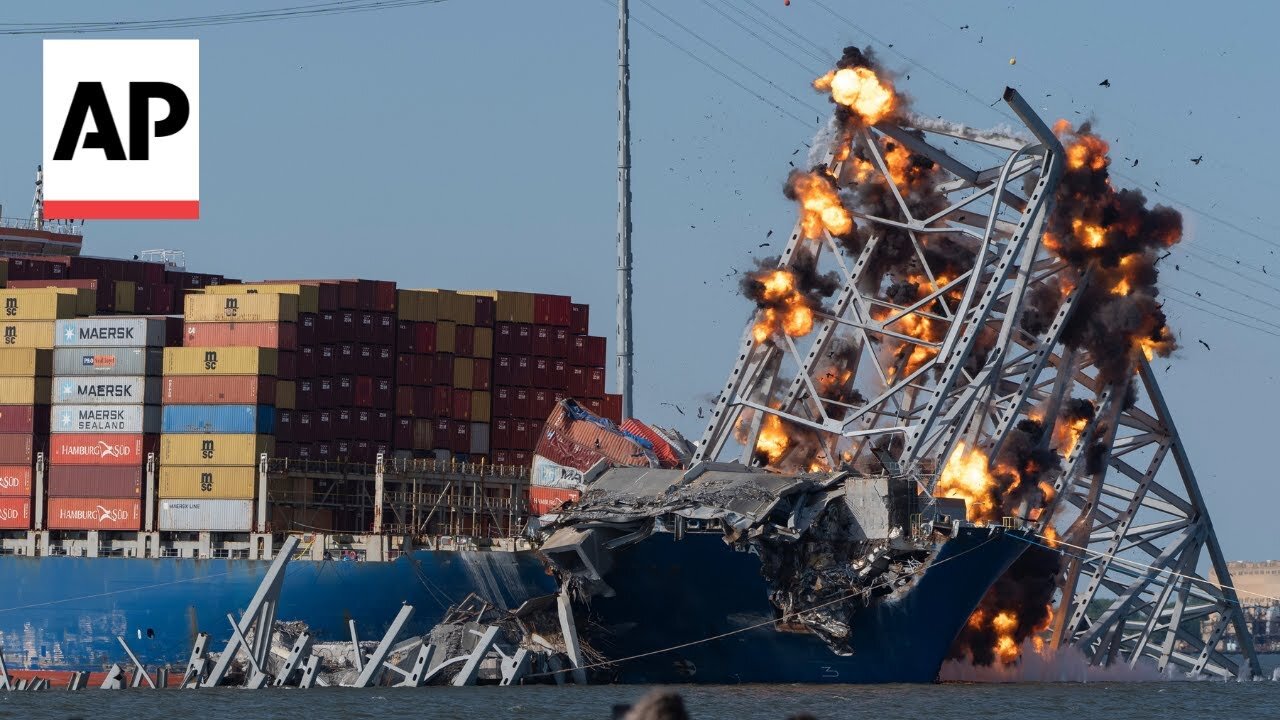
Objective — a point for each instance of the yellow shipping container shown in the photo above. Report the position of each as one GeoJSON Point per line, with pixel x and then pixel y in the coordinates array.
{"type": "Point", "coordinates": [508, 305]}
{"type": "Point", "coordinates": [39, 303]}
{"type": "Point", "coordinates": [86, 300]}
{"type": "Point", "coordinates": [408, 306]}
{"type": "Point", "coordinates": [241, 307]}
{"type": "Point", "coordinates": [308, 295]}
{"type": "Point", "coordinates": [428, 305]}
{"type": "Point", "coordinates": [463, 373]}
{"type": "Point", "coordinates": [25, 362]}
{"type": "Point", "coordinates": [126, 293]}
{"type": "Point", "coordinates": [483, 342]}
{"type": "Point", "coordinates": [28, 333]}
{"type": "Point", "coordinates": [220, 361]}
{"type": "Point", "coordinates": [481, 402]}
{"type": "Point", "coordinates": [4, 272]}
{"type": "Point", "coordinates": [25, 390]}
{"type": "Point", "coordinates": [286, 395]}
{"type": "Point", "coordinates": [446, 335]}
{"type": "Point", "coordinates": [215, 482]}
{"type": "Point", "coordinates": [214, 448]}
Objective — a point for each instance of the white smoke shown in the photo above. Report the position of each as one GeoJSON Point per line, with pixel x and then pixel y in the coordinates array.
{"type": "Point", "coordinates": [1066, 665]}
{"type": "Point", "coordinates": [991, 135]}
{"type": "Point", "coordinates": [824, 142]}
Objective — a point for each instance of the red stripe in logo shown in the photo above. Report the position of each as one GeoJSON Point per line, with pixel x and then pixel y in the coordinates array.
{"type": "Point", "coordinates": [122, 209]}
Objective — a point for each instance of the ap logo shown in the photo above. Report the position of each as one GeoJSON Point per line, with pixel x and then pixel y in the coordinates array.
{"type": "Point", "coordinates": [122, 129]}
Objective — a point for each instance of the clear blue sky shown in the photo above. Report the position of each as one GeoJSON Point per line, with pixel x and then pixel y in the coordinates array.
{"type": "Point", "coordinates": [471, 144]}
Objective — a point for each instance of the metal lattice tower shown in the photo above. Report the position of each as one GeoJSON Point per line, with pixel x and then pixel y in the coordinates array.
{"type": "Point", "coordinates": [1142, 519]}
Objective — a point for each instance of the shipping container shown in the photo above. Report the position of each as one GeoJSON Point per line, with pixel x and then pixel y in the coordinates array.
{"type": "Point", "coordinates": [224, 482]}
{"type": "Point", "coordinates": [481, 406]}
{"type": "Point", "coordinates": [217, 390]}
{"type": "Point", "coordinates": [40, 303]}
{"type": "Point", "coordinates": [244, 419]}
{"type": "Point", "coordinates": [484, 311]}
{"type": "Point", "coordinates": [15, 481]}
{"type": "Point", "coordinates": [25, 362]}
{"type": "Point", "coordinates": [106, 419]}
{"type": "Point", "coordinates": [551, 310]}
{"type": "Point", "coordinates": [240, 307]}
{"type": "Point", "coordinates": [15, 513]}
{"type": "Point", "coordinates": [76, 513]}
{"type": "Point", "coordinates": [197, 514]}
{"type": "Point", "coordinates": [220, 361]}
{"type": "Point", "coordinates": [25, 390]}
{"type": "Point", "coordinates": [463, 372]}
{"type": "Point", "coordinates": [107, 361]}
{"type": "Point", "coordinates": [28, 334]}
{"type": "Point", "coordinates": [481, 374]}
{"type": "Point", "coordinates": [422, 431]}
{"type": "Point", "coordinates": [94, 481]}
{"type": "Point", "coordinates": [123, 390]}
{"type": "Point", "coordinates": [522, 343]}
{"type": "Point", "coordinates": [579, 319]}
{"type": "Point", "coordinates": [20, 449]}
{"type": "Point", "coordinates": [278, 335]}
{"type": "Point", "coordinates": [308, 295]}
{"type": "Point", "coordinates": [286, 395]}
{"type": "Point", "coordinates": [213, 449]}
{"type": "Point", "coordinates": [446, 336]}
{"type": "Point", "coordinates": [130, 332]}
{"type": "Point", "coordinates": [101, 449]}
{"type": "Point", "coordinates": [543, 500]}
{"type": "Point", "coordinates": [479, 437]}
{"type": "Point", "coordinates": [482, 342]}
{"type": "Point", "coordinates": [416, 337]}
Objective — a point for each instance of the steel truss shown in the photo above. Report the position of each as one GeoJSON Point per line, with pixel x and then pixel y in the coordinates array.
{"type": "Point", "coordinates": [1131, 533]}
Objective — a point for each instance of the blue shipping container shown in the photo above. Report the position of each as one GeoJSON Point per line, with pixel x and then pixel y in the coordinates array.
{"type": "Point", "coordinates": [258, 419]}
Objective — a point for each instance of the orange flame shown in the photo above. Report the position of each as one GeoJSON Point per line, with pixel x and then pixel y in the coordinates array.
{"type": "Point", "coordinates": [772, 441]}
{"type": "Point", "coordinates": [860, 90]}
{"type": "Point", "coordinates": [820, 206]}
{"type": "Point", "coordinates": [790, 312]}
{"type": "Point", "coordinates": [967, 478]}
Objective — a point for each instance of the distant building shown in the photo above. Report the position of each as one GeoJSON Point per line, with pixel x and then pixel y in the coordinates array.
{"type": "Point", "coordinates": [1257, 587]}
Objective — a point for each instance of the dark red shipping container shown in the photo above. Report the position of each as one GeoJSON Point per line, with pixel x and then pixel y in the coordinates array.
{"type": "Point", "coordinates": [415, 337]}
{"type": "Point", "coordinates": [364, 392]}
{"type": "Point", "coordinates": [595, 405]}
{"type": "Point", "coordinates": [384, 394]}
{"type": "Point", "coordinates": [366, 325]}
{"type": "Point", "coordinates": [218, 389]}
{"type": "Point", "coordinates": [500, 457]}
{"type": "Point", "coordinates": [559, 375]}
{"type": "Point", "coordinates": [343, 423]}
{"type": "Point", "coordinates": [406, 367]}
{"type": "Point", "coordinates": [308, 361]}
{"type": "Point", "coordinates": [322, 427]}
{"type": "Point", "coordinates": [442, 369]}
{"type": "Point", "coordinates": [461, 405]}
{"type": "Point", "coordinates": [287, 365]}
{"type": "Point", "coordinates": [560, 343]}
{"type": "Point", "coordinates": [384, 363]}
{"type": "Point", "coordinates": [464, 340]}
{"type": "Point", "coordinates": [95, 481]}
{"type": "Point", "coordinates": [522, 371]}
{"type": "Point", "coordinates": [540, 404]}
{"type": "Point", "coordinates": [542, 340]}
{"type": "Point", "coordinates": [535, 430]}
{"type": "Point", "coordinates": [327, 362]}
{"type": "Point", "coordinates": [484, 311]}
{"type": "Point", "coordinates": [503, 402]}
{"type": "Point", "coordinates": [28, 419]}
{"type": "Point", "coordinates": [523, 342]}
{"type": "Point", "coordinates": [324, 450]}
{"type": "Point", "coordinates": [521, 403]}
{"type": "Point", "coordinates": [327, 326]}
{"type": "Point", "coordinates": [307, 431]}
{"type": "Point", "coordinates": [595, 351]}
{"type": "Point", "coordinates": [612, 407]}
{"type": "Point", "coordinates": [481, 374]}
{"type": "Point", "coordinates": [595, 382]}
{"type": "Point", "coordinates": [403, 438]}
{"type": "Point", "coordinates": [579, 317]}
{"type": "Point", "coordinates": [440, 435]}
{"type": "Point", "coordinates": [348, 359]}
{"type": "Point", "coordinates": [325, 392]}
{"type": "Point", "coordinates": [19, 449]}
{"type": "Point", "coordinates": [541, 372]}
{"type": "Point", "coordinates": [500, 435]}
{"type": "Point", "coordinates": [503, 368]}
{"type": "Point", "coordinates": [306, 394]}
{"type": "Point", "coordinates": [383, 425]}
{"type": "Point", "coordinates": [164, 299]}
{"type": "Point", "coordinates": [308, 329]}
{"type": "Point", "coordinates": [521, 457]}
{"type": "Point", "coordinates": [344, 391]}
{"type": "Point", "coordinates": [384, 296]}
{"type": "Point", "coordinates": [577, 384]}
{"type": "Point", "coordinates": [348, 326]}
{"type": "Point", "coordinates": [551, 310]}
{"type": "Point", "coordinates": [384, 330]}
{"type": "Point", "coordinates": [441, 401]}
{"type": "Point", "coordinates": [286, 425]}
{"type": "Point", "coordinates": [520, 439]}
{"type": "Point", "coordinates": [578, 350]}
{"type": "Point", "coordinates": [504, 338]}
{"type": "Point", "coordinates": [460, 432]}
{"type": "Point", "coordinates": [283, 336]}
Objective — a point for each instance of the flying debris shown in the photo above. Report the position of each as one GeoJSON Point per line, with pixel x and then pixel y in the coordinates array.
{"type": "Point", "coordinates": [1105, 83]}
{"type": "Point", "coordinates": [764, 244]}
{"type": "Point", "coordinates": [964, 27]}
{"type": "Point", "coordinates": [769, 234]}
{"type": "Point", "coordinates": [699, 412]}
{"type": "Point", "coordinates": [1013, 61]}
{"type": "Point", "coordinates": [1196, 160]}
{"type": "Point", "coordinates": [1135, 162]}
{"type": "Point", "coordinates": [1205, 344]}
{"type": "Point", "coordinates": [677, 407]}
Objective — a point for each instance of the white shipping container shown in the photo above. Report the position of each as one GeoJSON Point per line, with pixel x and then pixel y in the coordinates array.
{"type": "Point", "coordinates": [545, 473]}
{"type": "Point", "coordinates": [212, 515]}
{"type": "Point", "coordinates": [135, 390]}
{"type": "Point", "coordinates": [110, 332]}
{"type": "Point", "coordinates": [106, 419]}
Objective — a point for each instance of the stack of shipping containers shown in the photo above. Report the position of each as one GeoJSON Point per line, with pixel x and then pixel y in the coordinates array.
{"type": "Point", "coordinates": [219, 408]}
{"type": "Point", "coordinates": [542, 355]}
{"type": "Point", "coordinates": [416, 315]}
{"type": "Point", "coordinates": [24, 427]}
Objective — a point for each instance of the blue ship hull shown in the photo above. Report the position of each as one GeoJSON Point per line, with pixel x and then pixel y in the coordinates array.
{"type": "Point", "coordinates": [60, 613]}
{"type": "Point", "coordinates": [670, 593]}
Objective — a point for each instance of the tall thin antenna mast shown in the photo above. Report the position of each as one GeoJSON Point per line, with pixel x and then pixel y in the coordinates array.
{"type": "Point", "coordinates": [37, 203]}
{"type": "Point", "coordinates": [625, 346]}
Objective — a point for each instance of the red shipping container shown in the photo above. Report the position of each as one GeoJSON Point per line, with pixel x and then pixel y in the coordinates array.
{"type": "Point", "coordinates": [283, 336]}
{"type": "Point", "coordinates": [327, 326]}
{"type": "Point", "coordinates": [404, 401]}
{"type": "Point", "coordinates": [544, 500]}
{"type": "Point", "coordinates": [344, 449]}
{"type": "Point", "coordinates": [15, 481]}
{"type": "Point", "coordinates": [19, 449]}
{"type": "Point", "coordinates": [101, 449]}
{"type": "Point", "coordinates": [164, 299]}
{"type": "Point", "coordinates": [286, 426]}
{"type": "Point", "coordinates": [15, 513]}
{"type": "Point", "coordinates": [95, 514]}
{"type": "Point", "coordinates": [504, 337]}
{"type": "Point", "coordinates": [344, 391]}
{"type": "Point", "coordinates": [461, 406]}
{"type": "Point", "coordinates": [443, 369]}
{"type": "Point", "coordinates": [27, 419]}
{"type": "Point", "coordinates": [308, 329]}
{"type": "Point", "coordinates": [541, 372]}
{"type": "Point", "coordinates": [308, 361]}
{"type": "Point", "coordinates": [305, 431]}
{"type": "Point", "coordinates": [522, 371]}
{"type": "Point", "coordinates": [384, 296]}
{"type": "Point", "coordinates": [551, 310]}
{"type": "Point", "coordinates": [403, 438]}
{"type": "Point", "coordinates": [348, 326]}
{"type": "Point", "coordinates": [535, 431]}
{"type": "Point", "coordinates": [95, 481]}
{"type": "Point", "coordinates": [579, 316]}
{"type": "Point", "coordinates": [327, 362]}
{"type": "Point", "coordinates": [384, 364]}
{"type": "Point", "coordinates": [322, 426]}
{"type": "Point", "coordinates": [484, 311]}
{"type": "Point", "coordinates": [384, 394]}
{"type": "Point", "coordinates": [441, 401]}
{"type": "Point", "coordinates": [464, 340]}
{"type": "Point", "coordinates": [460, 432]}
{"type": "Point", "coordinates": [578, 350]}
{"type": "Point", "coordinates": [406, 370]}
{"type": "Point", "coordinates": [595, 405]}
{"type": "Point", "coordinates": [324, 450]}
{"type": "Point", "coordinates": [559, 375]}
{"type": "Point", "coordinates": [348, 359]}
{"type": "Point", "coordinates": [577, 384]}
{"type": "Point", "coordinates": [304, 451]}
{"type": "Point", "coordinates": [503, 369]}
{"type": "Point", "coordinates": [364, 392]}
{"type": "Point", "coordinates": [521, 457]}
{"type": "Point", "coordinates": [343, 423]}
{"type": "Point", "coordinates": [326, 392]}
{"type": "Point", "coordinates": [366, 325]}
{"type": "Point", "coordinates": [441, 437]}
{"type": "Point", "coordinates": [520, 439]}
{"type": "Point", "coordinates": [521, 403]}
{"type": "Point", "coordinates": [523, 342]}
{"type": "Point", "coordinates": [595, 351]}
{"type": "Point", "coordinates": [305, 394]}
{"type": "Point", "coordinates": [287, 365]}
{"type": "Point", "coordinates": [426, 366]}
{"type": "Point", "coordinates": [416, 337]}
{"type": "Point", "coordinates": [501, 433]}
{"type": "Point", "coordinates": [218, 390]}
{"type": "Point", "coordinates": [559, 395]}
{"type": "Point", "coordinates": [595, 382]}
{"type": "Point", "coordinates": [612, 407]}
{"type": "Point", "coordinates": [503, 402]}
{"type": "Point", "coordinates": [542, 340]}
{"type": "Point", "coordinates": [666, 454]}
{"type": "Point", "coordinates": [540, 403]}
{"type": "Point", "coordinates": [383, 426]}
{"type": "Point", "coordinates": [481, 374]}
{"type": "Point", "coordinates": [500, 457]}
{"type": "Point", "coordinates": [384, 330]}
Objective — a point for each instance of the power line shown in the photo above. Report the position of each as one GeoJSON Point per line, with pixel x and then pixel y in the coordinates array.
{"type": "Point", "coordinates": [335, 7]}
{"type": "Point", "coordinates": [757, 36]}
{"type": "Point", "coordinates": [1220, 316]}
{"type": "Point", "coordinates": [819, 54]}
{"type": "Point", "coordinates": [1230, 289]}
{"type": "Point", "coordinates": [1219, 306]}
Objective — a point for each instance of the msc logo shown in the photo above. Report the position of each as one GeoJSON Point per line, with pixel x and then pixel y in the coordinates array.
{"type": "Point", "coordinates": [10, 334]}
{"type": "Point", "coordinates": [206, 482]}
{"type": "Point", "coordinates": [11, 306]}
{"type": "Point", "coordinates": [206, 449]}
{"type": "Point", "coordinates": [232, 308]}
{"type": "Point", "coordinates": [211, 360]}
{"type": "Point", "coordinates": [122, 129]}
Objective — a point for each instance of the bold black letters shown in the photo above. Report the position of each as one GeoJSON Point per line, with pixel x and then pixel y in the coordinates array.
{"type": "Point", "coordinates": [89, 98]}
{"type": "Point", "coordinates": [140, 94]}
